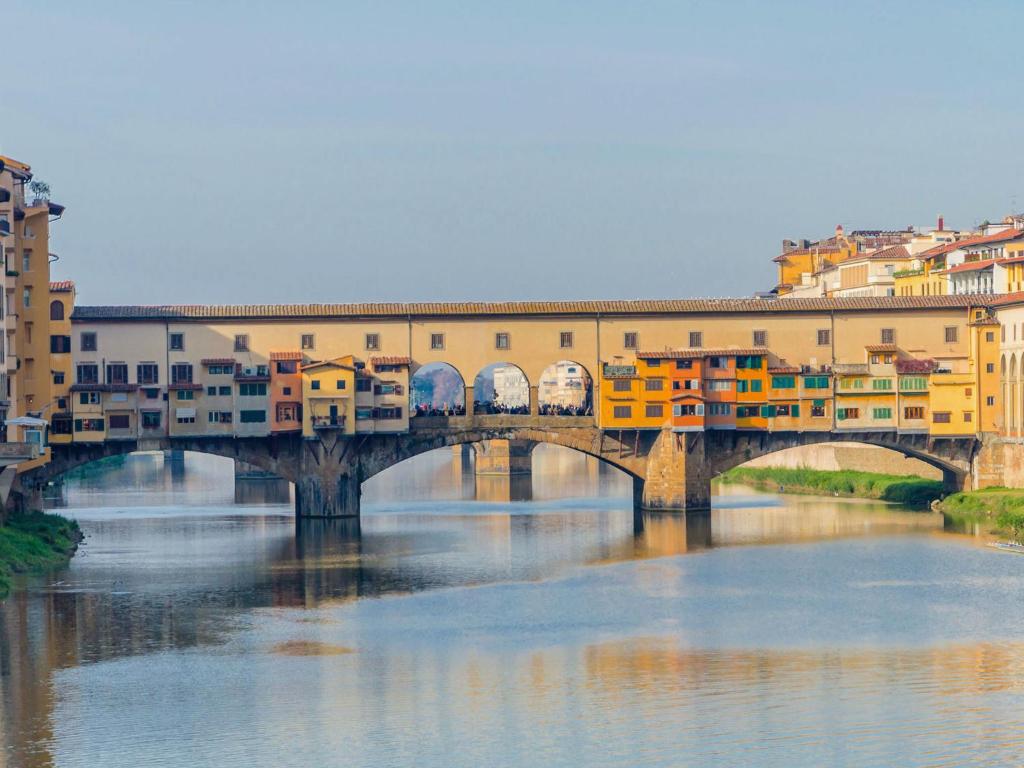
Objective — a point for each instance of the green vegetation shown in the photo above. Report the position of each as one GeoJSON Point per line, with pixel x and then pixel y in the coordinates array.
{"type": "Point", "coordinates": [34, 542]}
{"type": "Point", "coordinates": [999, 510]}
{"type": "Point", "coordinates": [903, 489]}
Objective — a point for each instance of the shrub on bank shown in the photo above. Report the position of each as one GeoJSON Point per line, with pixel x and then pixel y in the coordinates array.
{"type": "Point", "coordinates": [902, 489]}
{"type": "Point", "coordinates": [35, 541]}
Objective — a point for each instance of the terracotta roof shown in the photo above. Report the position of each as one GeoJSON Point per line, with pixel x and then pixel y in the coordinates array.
{"type": "Point", "coordinates": [881, 348]}
{"type": "Point", "coordinates": [1007, 298]}
{"type": "Point", "coordinates": [218, 361]}
{"type": "Point", "coordinates": [690, 354]}
{"type": "Point", "coordinates": [892, 252]}
{"type": "Point", "coordinates": [971, 266]}
{"type": "Point", "coordinates": [816, 250]}
{"type": "Point", "coordinates": [104, 387]}
{"type": "Point", "coordinates": [62, 286]}
{"type": "Point", "coordinates": [200, 313]}
{"type": "Point", "coordinates": [390, 360]}
{"type": "Point", "coordinates": [998, 237]}
{"type": "Point", "coordinates": [286, 356]}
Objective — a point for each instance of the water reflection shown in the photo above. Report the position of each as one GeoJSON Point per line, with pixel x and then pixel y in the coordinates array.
{"type": "Point", "coordinates": [457, 630]}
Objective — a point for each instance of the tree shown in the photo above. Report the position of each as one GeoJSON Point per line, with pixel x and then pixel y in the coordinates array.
{"type": "Point", "coordinates": [40, 189]}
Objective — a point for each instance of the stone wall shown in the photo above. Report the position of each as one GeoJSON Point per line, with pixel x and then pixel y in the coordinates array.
{"type": "Point", "coordinates": [855, 456]}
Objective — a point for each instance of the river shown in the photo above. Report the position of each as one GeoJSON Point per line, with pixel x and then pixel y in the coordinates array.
{"type": "Point", "coordinates": [199, 627]}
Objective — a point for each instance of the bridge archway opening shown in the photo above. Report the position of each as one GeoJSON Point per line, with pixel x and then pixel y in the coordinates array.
{"type": "Point", "coordinates": [437, 389]}
{"type": "Point", "coordinates": [501, 388]}
{"type": "Point", "coordinates": [565, 389]}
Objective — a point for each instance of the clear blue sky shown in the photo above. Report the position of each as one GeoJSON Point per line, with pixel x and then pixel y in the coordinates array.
{"type": "Point", "coordinates": [348, 151]}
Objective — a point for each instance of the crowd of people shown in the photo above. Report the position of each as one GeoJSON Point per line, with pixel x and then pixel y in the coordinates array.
{"type": "Point", "coordinates": [497, 408]}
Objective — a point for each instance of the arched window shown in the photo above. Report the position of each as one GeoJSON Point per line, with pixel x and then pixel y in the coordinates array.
{"type": "Point", "coordinates": [57, 310]}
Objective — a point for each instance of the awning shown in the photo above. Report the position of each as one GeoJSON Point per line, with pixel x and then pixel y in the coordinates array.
{"type": "Point", "coordinates": [185, 413]}
{"type": "Point", "coordinates": [26, 421]}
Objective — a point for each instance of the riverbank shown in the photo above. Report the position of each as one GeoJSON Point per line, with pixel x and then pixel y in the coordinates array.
{"type": "Point", "coordinates": [34, 542]}
{"type": "Point", "coordinates": [997, 511]}
{"type": "Point", "coordinates": [902, 489]}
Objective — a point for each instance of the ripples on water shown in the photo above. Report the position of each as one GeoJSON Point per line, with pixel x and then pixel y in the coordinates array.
{"type": "Point", "coordinates": [196, 631]}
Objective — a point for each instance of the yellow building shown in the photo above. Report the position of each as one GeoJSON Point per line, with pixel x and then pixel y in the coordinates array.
{"type": "Point", "coordinates": [61, 304]}
{"type": "Point", "coordinates": [328, 397]}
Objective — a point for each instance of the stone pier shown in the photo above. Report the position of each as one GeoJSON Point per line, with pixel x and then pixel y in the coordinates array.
{"type": "Point", "coordinates": [678, 473]}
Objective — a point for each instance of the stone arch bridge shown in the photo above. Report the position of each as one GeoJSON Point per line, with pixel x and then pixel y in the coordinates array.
{"type": "Point", "coordinates": [670, 471]}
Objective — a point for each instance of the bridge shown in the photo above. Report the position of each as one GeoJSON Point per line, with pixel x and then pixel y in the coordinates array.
{"type": "Point", "coordinates": [670, 470]}
{"type": "Point", "coordinates": [325, 396]}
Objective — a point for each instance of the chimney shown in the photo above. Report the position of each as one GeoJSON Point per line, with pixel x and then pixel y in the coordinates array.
{"type": "Point", "coordinates": [788, 245]}
{"type": "Point", "coordinates": [839, 230]}
{"type": "Point", "coordinates": [942, 223]}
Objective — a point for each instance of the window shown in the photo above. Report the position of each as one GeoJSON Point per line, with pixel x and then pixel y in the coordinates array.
{"type": "Point", "coordinates": [26, 261]}
{"type": "Point", "coordinates": [147, 373]}
{"type": "Point", "coordinates": [848, 413]}
{"type": "Point", "coordinates": [653, 363]}
{"type": "Point", "coordinates": [253, 389]}
{"type": "Point", "coordinates": [219, 417]}
{"type": "Point", "coordinates": [824, 337]}
{"type": "Point", "coordinates": [968, 392]}
{"type": "Point", "coordinates": [501, 341]}
{"type": "Point", "coordinates": [818, 411]}
{"type": "Point", "coordinates": [990, 367]}
{"type": "Point", "coordinates": [176, 342]}
{"type": "Point", "coordinates": [990, 336]}
{"type": "Point", "coordinates": [968, 416]}
{"type": "Point", "coordinates": [88, 341]}
{"type": "Point", "coordinates": [252, 417]}
{"type": "Point", "coordinates": [719, 409]}
{"type": "Point", "coordinates": [622, 412]}
{"type": "Point", "coordinates": [565, 339]}
{"type": "Point", "coordinates": [186, 419]}
{"type": "Point", "coordinates": [437, 341]}
{"type": "Point", "coordinates": [88, 373]}
{"type": "Point", "coordinates": [752, 362]}
{"type": "Point", "coordinates": [629, 340]}
{"type": "Point", "coordinates": [654, 410]}
{"type": "Point", "coordinates": [881, 384]}
{"type": "Point", "coordinates": [314, 384]}
{"type": "Point", "coordinates": [57, 310]}
{"type": "Point", "coordinates": [718, 362]}
{"type": "Point", "coordinates": [951, 334]}
{"type": "Point", "coordinates": [941, 417]}
{"type": "Point", "coordinates": [990, 400]}
{"type": "Point", "coordinates": [696, 339]}
{"type": "Point", "coordinates": [372, 341]}
{"type": "Point", "coordinates": [60, 344]}
{"type": "Point", "coordinates": [287, 366]}
{"type": "Point", "coordinates": [89, 425]}
{"type": "Point", "coordinates": [151, 419]}
{"type": "Point", "coordinates": [181, 373]}
{"type": "Point", "coordinates": [717, 385]}
{"type": "Point", "coordinates": [364, 384]}
{"type": "Point", "coordinates": [913, 412]}
{"type": "Point", "coordinates": [88, 398]}
{"type": "Point", "coordinates": [888, 335]}
{"type": "Point", "coordinates": [913, 384]}
{"type": "Point", "coordinates": [339, 384]}
{"type": "Point", "coordinates": [760, 338]}
{"type": "Point", "coordinates": [58, 377]}
{"type": "Point", "coordinates": [186, 394]}
{"type": "Point", "coordinates": [622, 385]}
{"type": "Point", "coordinates": [748, 385]}
{"type": "Point", "coordinates": [815, 382]}
{"type": "Point", "coordinates": [881, 413]}
{"type": "Point", "coordinates": [746, 411]}
{"type": "Point", "coordinates": [241, 342]}
{"type": "Point", "coordinates": [26, 298]}
{"type": "Point", "coordinates": [687, 410]}
{"type": "Point", "coordinates": [120, 421]}
{"type": "Point", "coordinates": [654, 385]}
{"type": "Point", "coordinates": [286, 391]}
{"type": "Point", "coordinates": [117, 373]}
{"type": "Point", "coordinates": [211, 391]}
{"type": "Point", "coordinates": [389, 413]}
{"type": "Point", "coordinates": [783, 382]}
{"type": "Point", "coordinates": [222, 391]}
{"type": "Point", "coordinates": [307, 341]}
{"type": "Point", "coordinates": [684, 365]}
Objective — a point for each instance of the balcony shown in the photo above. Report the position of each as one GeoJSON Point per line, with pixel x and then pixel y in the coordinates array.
{"type": "Point", "coordinates": [328, 422]}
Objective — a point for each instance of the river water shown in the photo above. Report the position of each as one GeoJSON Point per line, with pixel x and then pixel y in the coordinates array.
{"type": "Point", "coordinates": [194, 630]}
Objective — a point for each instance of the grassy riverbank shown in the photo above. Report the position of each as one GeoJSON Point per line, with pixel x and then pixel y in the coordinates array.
{"type": "Point", "coordinates": [903, 489]}
{"type": "Point", "coordinates": [34, 542]}
{"type": "Point", "coordinates": [997, 511]}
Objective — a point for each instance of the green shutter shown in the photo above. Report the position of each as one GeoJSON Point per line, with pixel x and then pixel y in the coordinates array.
{"type": "Point", "coordinates": [818, 403]}
{"type": "Point", "coordinates": [794, 410]}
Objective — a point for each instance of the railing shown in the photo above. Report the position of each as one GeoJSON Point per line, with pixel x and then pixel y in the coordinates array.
{"type": "Point", "coordinates": [328, 422]}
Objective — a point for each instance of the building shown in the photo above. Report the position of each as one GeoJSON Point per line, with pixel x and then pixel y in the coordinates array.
{"type": "Point", "coordinates": [61, 305]}
{"type": "Point", "coordinates": [25, 216]}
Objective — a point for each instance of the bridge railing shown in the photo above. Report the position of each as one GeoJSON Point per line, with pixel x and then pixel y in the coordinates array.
{"type": "Point", "coordinates": [498, 421]}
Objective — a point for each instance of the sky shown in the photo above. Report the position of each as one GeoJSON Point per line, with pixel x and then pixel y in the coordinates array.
{"type": "Point", "coordinates": [269, 152]}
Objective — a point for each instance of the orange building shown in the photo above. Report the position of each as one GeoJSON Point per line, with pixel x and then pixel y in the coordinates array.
{"type": "Point", "coordinates": [285, 392]}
